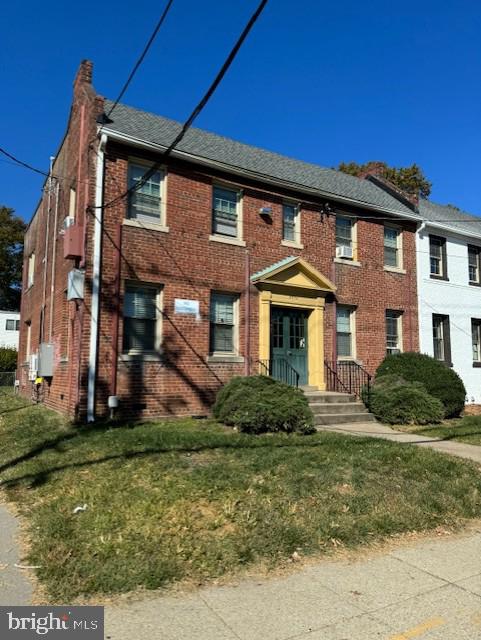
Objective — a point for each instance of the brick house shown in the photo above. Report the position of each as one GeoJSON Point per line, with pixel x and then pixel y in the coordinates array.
{"type": "Point", "coordinates": [229, 260]}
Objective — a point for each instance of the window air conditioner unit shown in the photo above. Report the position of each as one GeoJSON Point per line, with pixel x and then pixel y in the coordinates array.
{"type": "Point", "coordinates": [344, 252]}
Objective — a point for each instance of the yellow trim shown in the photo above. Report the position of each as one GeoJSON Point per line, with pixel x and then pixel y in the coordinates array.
{"type": "Point", "coordinates": [301, 286]}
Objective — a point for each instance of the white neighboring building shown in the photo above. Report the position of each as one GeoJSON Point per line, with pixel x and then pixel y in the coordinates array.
{"type": "Point", "coordinates": [449, 291]}
{"type": "Point", "coordinates": [9, 328]}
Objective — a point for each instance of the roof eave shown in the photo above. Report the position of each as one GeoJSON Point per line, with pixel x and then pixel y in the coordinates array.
{"type": "Point", "coordinates": [447, 227]}
{"type": "Point", "coordinates": [184, 155]}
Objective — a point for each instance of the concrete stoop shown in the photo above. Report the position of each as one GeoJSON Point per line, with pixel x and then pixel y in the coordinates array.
{"type": "Point", "coordinates": [331, 408]}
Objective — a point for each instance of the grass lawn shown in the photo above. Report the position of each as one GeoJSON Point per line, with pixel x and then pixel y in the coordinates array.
{"type": "Point", "coordinates": [191, 500]}
{"type": "Point", "coordinates": [467, 430]}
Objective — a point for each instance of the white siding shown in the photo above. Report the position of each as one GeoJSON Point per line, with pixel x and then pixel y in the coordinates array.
{"type": "Point", "coordinates": [455, 298]}
{"type": "Point", "coordinates": [8, 338]}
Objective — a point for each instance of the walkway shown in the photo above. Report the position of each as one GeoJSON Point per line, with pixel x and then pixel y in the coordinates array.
{"type": "Point", "coordinates": [15, 588]}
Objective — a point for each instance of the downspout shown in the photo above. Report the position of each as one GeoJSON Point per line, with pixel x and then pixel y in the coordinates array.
{"type": "Point", "coordinates": [45, 256]}
{"type": "Point", "coordinates": [54, 257]}
{"type": "Point", "coordinates": [247, 322]}
{"type": "Point", "coordinates": [97, 255]}
{"type": "Point", "coordinates": [113, 401]}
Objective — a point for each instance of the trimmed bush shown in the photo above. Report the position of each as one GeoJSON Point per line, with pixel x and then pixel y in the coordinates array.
{"type": "Point", "coordinates": [8, 359]}
{"type": "Point", "coordinates": [440, 381]}
{"type": "Point", "coordinates": [258, 404]}
{"type": "Point", "coordinates": [395, 401]}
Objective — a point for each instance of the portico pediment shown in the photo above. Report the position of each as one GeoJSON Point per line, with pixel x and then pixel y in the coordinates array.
{"type": "Point", "coordinates": [294, 272]}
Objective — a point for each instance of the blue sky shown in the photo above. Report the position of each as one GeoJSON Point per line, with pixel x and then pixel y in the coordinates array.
{"type": "Point", "coordinates": [322, 82]}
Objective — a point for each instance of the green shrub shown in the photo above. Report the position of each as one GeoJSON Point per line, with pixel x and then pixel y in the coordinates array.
{"type": "Point", "coordinates": [8, 359]}
{"type": "Point", "coordinates": [395, 401]}
{"type": "Point", "coordinates": [258, 404]}
{"type": "Point", "coordinates": [439, 380]}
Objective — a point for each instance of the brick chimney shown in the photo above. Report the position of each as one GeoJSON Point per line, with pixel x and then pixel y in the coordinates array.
{"type": "Point", "coordinates": [84, 75]}
{"type": "Point", "coordinates": [374, 172]}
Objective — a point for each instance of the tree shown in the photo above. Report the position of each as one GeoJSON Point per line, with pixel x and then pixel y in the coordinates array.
{"type": "Point", "coordinates": [12, 229]}
{"type": "Point", "coordinates": [409, 179]}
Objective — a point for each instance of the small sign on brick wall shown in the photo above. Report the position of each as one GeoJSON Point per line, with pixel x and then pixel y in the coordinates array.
{"type": "Point", "coordinates": [187, 307]}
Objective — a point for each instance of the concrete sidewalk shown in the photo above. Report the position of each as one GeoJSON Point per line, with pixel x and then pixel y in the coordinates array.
{"type": "Point", "coordinates": [377, 430]}
{"type": "Point", "coordinates": [429, 590]}
{"type": "Point", "coordinates": [15, 587]}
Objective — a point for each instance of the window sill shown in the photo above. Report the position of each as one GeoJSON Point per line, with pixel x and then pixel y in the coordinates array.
{"type": "Point", "coordinates": [475, 284]}
{"type": "Point", "coordinates": [143, 356]}
{"type": "Point", "coordinates": [477, 365]}
{"type": "Point", "coordinates": [394, 269]}
{"type": "Point", "coordinates": [351, 263]}
{"type": "Point", "coordinates": [292, 244]}
{"type": "Point", "coordinates": [152, 226]}
{"type": "Point", "coordinates": [225, 358]}
{"type": "Point", "coordinates": [227, 240]}
{"type": "Point", "coordinates": [442, 278]}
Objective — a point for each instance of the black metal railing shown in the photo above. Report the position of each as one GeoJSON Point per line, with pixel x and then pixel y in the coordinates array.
{"type": "Point", "coordinates": [280, 369]}
{"type": "Point", "coordinates": [349, 377]}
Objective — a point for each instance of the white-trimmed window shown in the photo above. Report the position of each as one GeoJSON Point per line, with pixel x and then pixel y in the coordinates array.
{"type": "Point", "coordinates": [141, 318]}
{"type": "Point", "coordinates": [31, 269]}
{"type": "Point", "coordinates": [476, 337]}
{"type": "Point", "coordinates": [224, 315]}
{"type": "Point", "coordinates": [345, 332]}
{"type": "Point", "coordinates": [291, 231]}
{"type": "Point", "coordinates": [393, 331]}
{"type": "Point", "coordinates": [226, 212]}
{"type": "Point", "coordinates": [345, 238]}
{"type": "Point", "coordinates": [72, 203]}
{"type": "Point", "coordinates": [392, 247]}
{"type": "Point", "coordinates": [28, 345]}
{"type": "Point", "coordinates": [474, 264]}
{"type": "Point", "coordinates": [12, 325]}
{"type": "Point", "coordinates": [438, 257]}
{"type": "Point", "coordinates": [441, 338]}
{"type": "Point", "coordinates": [145, 203]}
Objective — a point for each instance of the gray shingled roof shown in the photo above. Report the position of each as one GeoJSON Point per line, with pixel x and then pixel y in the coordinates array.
{"type": "Point", "coordinates": [151, 128]}
{"type": "Point", "coordinates": [449, 215]}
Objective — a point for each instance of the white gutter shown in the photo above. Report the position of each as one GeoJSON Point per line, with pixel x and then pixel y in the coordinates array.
{"type": "Point", "coordinates": [121, 137]}
{"type": "Point", "coordinates": [452, 230]}
{"type": "Point", "coordinates": [97, 255]}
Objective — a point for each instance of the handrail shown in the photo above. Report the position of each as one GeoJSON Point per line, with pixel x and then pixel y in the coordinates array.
{"type": "Point", "coordinates": [280, 369]}
{"type": "Point", "coordinates": [349, 377]}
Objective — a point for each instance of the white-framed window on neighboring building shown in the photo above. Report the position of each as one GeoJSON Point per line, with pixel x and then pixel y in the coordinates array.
{"type": "Point", "coordinates": [142, 318]}
{"type": "Point", "coordinates": [146, 202]}
{"type": "Point", "coordinates": [345, 334]}
{"type": "Point", "coordinates": [392, 247]}
{"type": "Point", "coordinates": [441, 338]}
{"type": "Point", "coordinates": [12, 325]}
{"type": "Point", "coordinates": [346, 238]}
{"type": "Point", "coordinates": [474, 271]}
{"type": "Point", "coordinates": [226, 212]}
{"type": "Point", "coordinates": [224, 322]}
{"type": "Point", "coordinates": [437, 257]}
{"type": "Point", "coordinates": [393, 331]}
{"type": "Point", "coordinates": [291, 223]}
{"type": "Point", "coordinates": [31, 269]}
{"type": "Point", "coordinates": [476, 339]}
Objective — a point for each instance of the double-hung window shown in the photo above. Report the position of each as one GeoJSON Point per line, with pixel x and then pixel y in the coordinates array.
{"type": "Point", "coordinates": [141, 318]}
{"type": "Point", "coordinates": [12, 325]}
{"type": "Point", "coordinates": [31, 269]}
{"type": "Point", "coordinates": [441, 338]}
{"type": "Point", "coordinates": [145, 202]}
{"type": "Point", "coordinates": [223, 323]}
{"type": "Point", "coordinates": [437, 257]}
{"type": "Point", "coordinates": [474, 264]}
{"type": "Point", "coordinates": [393, 331]}
{"type": "Point", "coordinates": [476, 338]}
{"type": "Point", "coordinates": [225, 212]}
{"type": "Point", "coordinates": [344, 331]}
{"type": "Point", "coordinates": [290, 223]}
{"type": "Point", "coordinates": [344, 237]}
{"type": "Point", "coordinates": [392, 247]}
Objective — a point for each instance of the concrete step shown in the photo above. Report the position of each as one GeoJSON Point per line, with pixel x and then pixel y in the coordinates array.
{"type": "Point", "coordinates": [328, 396]}
{"type": "Point", "coordinates": [342, 418]}
{"type": "Point", "coordinates": [318, 408]}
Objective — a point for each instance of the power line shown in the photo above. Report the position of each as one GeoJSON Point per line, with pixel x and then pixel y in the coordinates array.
{"type": "Point", "coordinates": [23, 164]}
{"type": "Point", "coordinates": [195, 113]}
{"type": "Point", "coordinates": [142, 56]}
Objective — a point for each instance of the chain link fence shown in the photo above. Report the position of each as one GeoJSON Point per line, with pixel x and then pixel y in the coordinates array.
{"type": "Point", "coordinates": [7, 381]}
